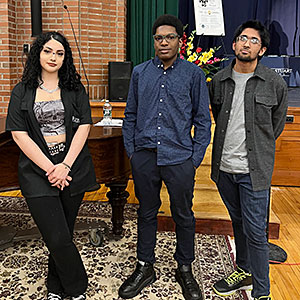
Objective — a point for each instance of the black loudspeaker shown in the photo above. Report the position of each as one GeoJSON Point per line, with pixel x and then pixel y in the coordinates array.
{"type": "Point", "coordinates": [119, 73]}
{"type": "Point", "coordinates": [36, 17]}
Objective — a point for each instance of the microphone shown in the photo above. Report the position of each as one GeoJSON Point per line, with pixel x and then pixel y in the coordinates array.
{"type": "Point", "coordinates": [88, 84]}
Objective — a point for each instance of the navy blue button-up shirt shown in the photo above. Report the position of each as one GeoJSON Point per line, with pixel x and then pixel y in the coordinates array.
{"type": "Point", "coordinates": [162, 106]}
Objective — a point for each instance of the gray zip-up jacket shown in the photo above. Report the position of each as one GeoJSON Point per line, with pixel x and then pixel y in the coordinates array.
{"type": "Point", "coordinates": [266, 105]}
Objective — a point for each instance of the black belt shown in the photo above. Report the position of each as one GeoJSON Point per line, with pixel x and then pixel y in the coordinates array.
{"type": "Point", "coordinates": [151, 149]}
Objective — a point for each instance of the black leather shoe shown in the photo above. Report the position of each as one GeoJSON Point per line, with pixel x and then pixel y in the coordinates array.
{"type": "Point", "coordinates": [140, 278]}
{"type": "Point", "coordinates": [189, 285]}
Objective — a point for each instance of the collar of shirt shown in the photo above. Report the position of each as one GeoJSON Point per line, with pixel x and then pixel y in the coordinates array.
{"type": "Point", "coordinates": [259, 72]}
{"type": "Point", "coordinates": [158, 63]}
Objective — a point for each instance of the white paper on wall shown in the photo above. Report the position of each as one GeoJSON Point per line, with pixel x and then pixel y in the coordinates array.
{"type": "Point", "coordinates": [209, 17]}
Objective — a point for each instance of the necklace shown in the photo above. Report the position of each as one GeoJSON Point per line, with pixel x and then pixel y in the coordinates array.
{"type": "Point", "coordinates": [48, 91]}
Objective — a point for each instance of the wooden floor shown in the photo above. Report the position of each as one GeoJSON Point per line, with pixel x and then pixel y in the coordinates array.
{"type": "Point", "coordinates": [285, 279]}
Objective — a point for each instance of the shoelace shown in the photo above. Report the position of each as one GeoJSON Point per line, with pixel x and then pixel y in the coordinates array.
{"type": "Point", "coordinates": [235, 277]}
{"type": "Point", "coordinates": [52, 296]}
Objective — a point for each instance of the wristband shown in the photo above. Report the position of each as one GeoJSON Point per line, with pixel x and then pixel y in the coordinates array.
{"type": "Point", "coordinates": [66, 166]}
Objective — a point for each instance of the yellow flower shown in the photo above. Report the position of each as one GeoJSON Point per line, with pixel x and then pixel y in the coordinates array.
{"type": "Point", "coordinates": [190, 46]}
{"type": "Point", "coordinates": [205, 57]}
{"type": "Point", "coordinates": [205, 60]}
{"type": "Point", "coordinates": [192, 58]}
{"type": "Point", "coordinates": [208, 79]}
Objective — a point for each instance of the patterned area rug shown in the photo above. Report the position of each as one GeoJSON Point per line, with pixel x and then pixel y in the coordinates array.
{"type": "Point", "coordinates": [23, 265]}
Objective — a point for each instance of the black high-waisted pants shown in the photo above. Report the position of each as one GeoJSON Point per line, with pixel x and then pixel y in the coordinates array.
{"type": "Point", "coordinates": [55, 218]}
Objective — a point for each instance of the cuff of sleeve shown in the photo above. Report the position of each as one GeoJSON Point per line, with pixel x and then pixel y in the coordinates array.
{"type": "Point", "coordinates": [129, 153]}
{"type": "Point", "coordinates": [196, 162]}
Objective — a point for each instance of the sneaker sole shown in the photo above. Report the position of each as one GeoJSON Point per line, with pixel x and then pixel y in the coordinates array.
{"type": "Point", "coordinates": [224, 294]}
{"type": "Point", "coordinates": [132, 295]}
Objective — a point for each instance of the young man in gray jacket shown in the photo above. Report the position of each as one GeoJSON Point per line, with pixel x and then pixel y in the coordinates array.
{"type": "Point", "coordinates": [249, 104]}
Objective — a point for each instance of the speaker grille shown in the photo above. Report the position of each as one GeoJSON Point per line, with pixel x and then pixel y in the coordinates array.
{"type": "Point", "coordinates": [119, 74]}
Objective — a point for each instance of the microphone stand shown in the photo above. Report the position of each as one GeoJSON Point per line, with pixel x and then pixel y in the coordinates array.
{"type": "Point", "coordinates": [80, 57]}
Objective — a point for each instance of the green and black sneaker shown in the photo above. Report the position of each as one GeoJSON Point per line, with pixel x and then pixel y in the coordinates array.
{"type": "Point", "coordinates": [263, 298]}
{"type": "Point", "coordinates": [238, 280]}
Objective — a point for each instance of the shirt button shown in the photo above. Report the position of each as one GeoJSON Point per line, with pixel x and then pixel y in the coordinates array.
{"type": "Point", "coordinates": [227, 111]}
{"type": "Point", "coordinates": [162, 86]}
{"type": "Point", "coordinates": [222, 130]}
{"type": "Point", "coordinates": [250, 149]}
{"type": "Point", "coordinates": [165, 72]}
{"type": "Point", "coordinates": [158, 143]}
{"type": "Point", "coordinates": [172, 67]}
{"type": "Point", "coordinates": [161, 100]}
{"type": "Point", "coordinates": [252, 169]}
{"type": "Point", "coordinates": [158, 66]}
{"type": "Point", "coordinates": [158, 127]}
{"type": "Point", "coordinates": [159, 114]}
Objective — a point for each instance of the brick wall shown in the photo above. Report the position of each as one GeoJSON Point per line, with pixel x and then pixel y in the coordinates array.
{"type": "Point", "coordinates": [100, 27]}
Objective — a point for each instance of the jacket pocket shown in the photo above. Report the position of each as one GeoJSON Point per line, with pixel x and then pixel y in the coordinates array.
{"type": "Point", "coordinates": [266, 100]}
{"type": "Point", "coordinates": [263, 108]}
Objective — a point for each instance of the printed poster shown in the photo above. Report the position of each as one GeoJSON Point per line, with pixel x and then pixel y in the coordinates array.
{"type": "Point", "coordinates": [209, 17]}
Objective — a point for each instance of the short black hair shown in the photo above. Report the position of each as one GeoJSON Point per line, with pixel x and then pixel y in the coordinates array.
{"type": "Point", "coordinates": [257, 25]}
{"type": "Point", "coordinates": [168, 20]}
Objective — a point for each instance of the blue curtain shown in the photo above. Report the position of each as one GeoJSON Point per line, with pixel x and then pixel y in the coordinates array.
{"type": "Point", "coordinates": [281, 17]}
{"type": "Point", "coordinates": [284, 22]}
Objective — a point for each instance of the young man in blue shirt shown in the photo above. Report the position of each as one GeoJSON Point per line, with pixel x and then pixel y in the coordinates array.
{"type": "Point", "coordinates": [167, 96]}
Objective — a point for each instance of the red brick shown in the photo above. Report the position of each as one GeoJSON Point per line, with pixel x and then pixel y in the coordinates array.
{"type": "Point", "coordinates": [95, 26]}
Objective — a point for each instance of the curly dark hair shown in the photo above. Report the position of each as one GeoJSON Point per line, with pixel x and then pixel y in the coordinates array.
{"type": "Point", "coordinates": [67, 74]}
{"type": "Point", "coordinates": [168, 20]}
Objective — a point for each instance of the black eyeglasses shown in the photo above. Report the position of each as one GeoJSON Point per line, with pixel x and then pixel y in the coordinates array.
{"type": "Point", "coordinates": [245, 39]}
{"type": "Point", "coordinates": [168, 37]}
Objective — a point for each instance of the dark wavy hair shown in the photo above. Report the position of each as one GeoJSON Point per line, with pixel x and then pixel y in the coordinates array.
{"type": "Point", "coordinates": [168, 20]}
{"type": "Point", "coordinates": [67, 74]}
{"type": "Point", "coordinates": [257, 25]}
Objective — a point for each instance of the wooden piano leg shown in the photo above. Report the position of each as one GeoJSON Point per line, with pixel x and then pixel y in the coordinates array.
{"type": "Point", "coordinates": [117, 198]}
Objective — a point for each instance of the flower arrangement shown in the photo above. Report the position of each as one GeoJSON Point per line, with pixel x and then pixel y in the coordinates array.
{"type": "Point", "coordinates": [205, 60]}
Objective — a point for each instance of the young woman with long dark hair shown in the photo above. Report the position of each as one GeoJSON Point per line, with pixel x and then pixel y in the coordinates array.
{"type": "Point", "coordinates": [49, 117]}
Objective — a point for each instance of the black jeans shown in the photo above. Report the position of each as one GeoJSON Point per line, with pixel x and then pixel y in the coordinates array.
{"type": "Point", "coordinates": [179, 180]}
{"type": "Point", "coordinates": [55, 217]}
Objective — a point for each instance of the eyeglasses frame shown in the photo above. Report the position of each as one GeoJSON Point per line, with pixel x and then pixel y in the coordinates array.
{"type": "Point", "coordinates": [164, 37]}
{"type": "Point", "coordinates": [246, 39]}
